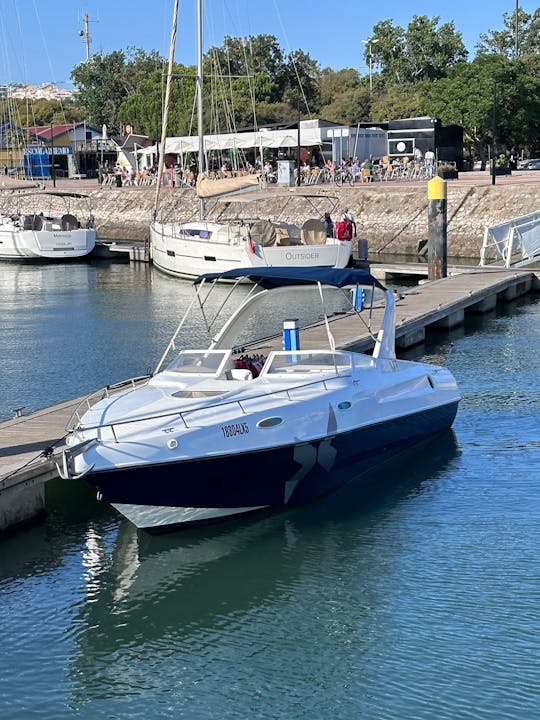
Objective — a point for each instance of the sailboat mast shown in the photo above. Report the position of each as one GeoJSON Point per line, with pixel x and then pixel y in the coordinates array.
{"type": "Point", "coordinates": [165, 116]}
{"type": "Point", "coordinates": [200, 97]}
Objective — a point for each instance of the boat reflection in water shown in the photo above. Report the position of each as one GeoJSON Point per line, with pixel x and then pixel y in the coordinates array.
{"type": "Point", "coordinates": [180, 593]}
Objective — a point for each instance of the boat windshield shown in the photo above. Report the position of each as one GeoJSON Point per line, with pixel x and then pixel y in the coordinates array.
{"type": "Point", "coordinates": [199, 362]}
{"type": "Point", "coordinates": [307, 362]}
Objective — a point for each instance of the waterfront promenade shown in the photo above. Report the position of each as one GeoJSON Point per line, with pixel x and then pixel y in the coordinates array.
{"type": "Point", "coordinates": [391, 215]}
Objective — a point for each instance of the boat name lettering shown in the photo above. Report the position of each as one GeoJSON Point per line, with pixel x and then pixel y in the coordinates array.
{"type": "Point", "coordinates": [302, 256]}
{"type": "Point", "coordinates": [235, 429]}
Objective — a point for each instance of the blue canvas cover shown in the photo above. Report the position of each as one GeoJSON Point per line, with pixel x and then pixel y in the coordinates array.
{"type": "Point", "coordinates": [271, 277]}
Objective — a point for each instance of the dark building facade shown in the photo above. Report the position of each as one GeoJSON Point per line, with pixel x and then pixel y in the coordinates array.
{"type": "Point", "coordinates": [426, 133]}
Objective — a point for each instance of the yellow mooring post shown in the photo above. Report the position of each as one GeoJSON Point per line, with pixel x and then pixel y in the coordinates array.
{"type": "Point", "coordinates": [437, 264]}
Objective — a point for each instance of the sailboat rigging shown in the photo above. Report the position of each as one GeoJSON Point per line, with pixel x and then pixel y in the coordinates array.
{"type": "Point", "coordinates": [36, 224]}
{"type": "Point", "coordinates": [189, 249]}
{"type": "Point", "coordinates": [165, 118]}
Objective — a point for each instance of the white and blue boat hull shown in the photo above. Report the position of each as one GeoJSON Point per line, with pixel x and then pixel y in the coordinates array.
{"type": "Point", "coordinates": [221, 432]}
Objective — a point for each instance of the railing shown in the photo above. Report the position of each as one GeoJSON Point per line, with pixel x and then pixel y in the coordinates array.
{"type": "Point", "coordinates": [516, 242]}
{"type": "Point", "coordinates": [183, 415]}
{"type": "Point", "coordinates": [100, 394]}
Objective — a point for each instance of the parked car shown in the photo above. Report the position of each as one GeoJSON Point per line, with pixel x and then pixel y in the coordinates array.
{"type": "Point", "coordinates": [529, 164]}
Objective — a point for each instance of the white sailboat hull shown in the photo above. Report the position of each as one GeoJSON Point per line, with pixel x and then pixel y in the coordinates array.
{"type": "Point", "coordinates": [16, 244]}
{"type": "Point", "coordinates": [192, 249]}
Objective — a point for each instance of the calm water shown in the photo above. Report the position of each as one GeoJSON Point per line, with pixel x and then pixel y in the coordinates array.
{"type": "Point", "coordinates": [416, 600]}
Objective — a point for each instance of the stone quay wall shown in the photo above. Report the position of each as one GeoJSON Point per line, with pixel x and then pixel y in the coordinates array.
{"type": "Point", "coordinates": [392, 216]}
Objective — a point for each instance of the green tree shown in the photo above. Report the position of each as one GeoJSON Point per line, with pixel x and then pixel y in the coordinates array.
{"type": "Point", "coordinates": [105, 81]}
{"type": "Point", "coordinates": [344, 96]}
{"type": "Point", "coordinates": [278, 112]}
{"type": "Point", "coordinates": [234, 104]}
{"type": "Point", "coordinates": [139, 64]}
{"type": "Point", "coordinates": [349, 107]}
{"type": "Point", "coordinates": [101, 88]}
{"type": "Point", "coordinates": [520, 35]}
{"type": "Point", "coordinates": [399, 101]}
{"type": "Point", "coordinates": [301, 82]}
{"type": "Point", "coordinates": [491, 87]}
{"type": "Point", "coordinates": [143, 109]}
{"type": "Point", "coordinates": [333, 83]}
{"type": "Point", "coordinates": [424, 51]}
{"type": "Point", "coordinates": [45, 112]}
{"type": "Point", "coordinates": [245, 58]}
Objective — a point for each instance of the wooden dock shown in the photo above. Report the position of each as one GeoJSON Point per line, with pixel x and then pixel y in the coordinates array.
{"type": "Point", "coordinates": [28, 443]}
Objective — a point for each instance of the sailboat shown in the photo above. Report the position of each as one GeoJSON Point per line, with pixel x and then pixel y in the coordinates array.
{"type": "Point", "coordinates": [36, 224]}
{"type": "Point", "coordinates": [45, 225]}
{"type": "Point", "coordinates": [189, 249]}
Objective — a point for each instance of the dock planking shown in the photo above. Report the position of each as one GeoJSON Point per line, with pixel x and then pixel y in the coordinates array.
{"type": "Point", "coordinates": [439, 303]}
{"type": "Point", "coordinates": [23, 439]}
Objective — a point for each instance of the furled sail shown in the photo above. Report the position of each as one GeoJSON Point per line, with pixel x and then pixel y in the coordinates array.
{"type": "Point", "coordinates": [208, 187]}
{"type": "Point", "coordinates": [8, 183]}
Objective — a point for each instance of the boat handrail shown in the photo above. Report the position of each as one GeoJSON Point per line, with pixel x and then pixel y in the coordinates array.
{"type": "Point", "coordinates": [100, 394]}
{"type": "Point", "coordinates": [181, 414]}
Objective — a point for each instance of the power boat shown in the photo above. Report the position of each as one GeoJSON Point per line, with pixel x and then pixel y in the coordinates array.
{"type": "Point", "coordinates": [271, 413]}
{"type": "Point", "coordinates": [46, 225]}
{"type": "Point", "coordinates": [201, 245]}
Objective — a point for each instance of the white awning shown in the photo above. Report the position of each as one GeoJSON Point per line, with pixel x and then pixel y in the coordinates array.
{"type": "Point", "coordinates": [240, 141]}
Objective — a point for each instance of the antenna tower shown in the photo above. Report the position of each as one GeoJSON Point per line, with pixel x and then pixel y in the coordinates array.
{"type": "Point", "coordinates": [85, 34]}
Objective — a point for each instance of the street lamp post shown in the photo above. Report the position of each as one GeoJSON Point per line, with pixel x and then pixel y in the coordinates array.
{"type": "Point", "coordinates": [516, 41]}
{"type": "Point", "coordinates": [368, 44]}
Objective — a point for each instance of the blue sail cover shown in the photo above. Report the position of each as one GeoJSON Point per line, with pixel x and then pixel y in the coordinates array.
{"type": "Point", "coordinates": [272, 277]}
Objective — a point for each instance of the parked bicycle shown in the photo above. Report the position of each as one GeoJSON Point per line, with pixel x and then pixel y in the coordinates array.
{"type": "Point", "coordinates": [343, 176]}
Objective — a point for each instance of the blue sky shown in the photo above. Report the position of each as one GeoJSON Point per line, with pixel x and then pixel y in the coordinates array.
{"type": "Point", "coordinates": [40, 41]}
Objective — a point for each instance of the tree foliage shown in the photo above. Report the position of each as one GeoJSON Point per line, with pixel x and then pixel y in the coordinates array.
{"type": "Point", "coordinates": [423, 51]}
{"type": "Point", "coordinates": [245, 58]}
{"type": "Point", "coordinates": [105, 81]}
{"type": "Point", "coordinates": [42, 112]}
{"type": "Point", "coordinates": [420, 70]}
{"type": "Point", "coordinates": [143, 108]}
{"type": "Point", "coordinates": [301, 82]}
{"type": "Point", "coordinates": [520, 36]}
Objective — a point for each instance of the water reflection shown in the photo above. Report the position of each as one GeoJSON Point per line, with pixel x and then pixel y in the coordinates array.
{"type": "Point", "coordinates": [41, 549]}
{"type": "Point", "coordinates": [70, 329]}
{"type": "Point", "coordinates": [175, 591]}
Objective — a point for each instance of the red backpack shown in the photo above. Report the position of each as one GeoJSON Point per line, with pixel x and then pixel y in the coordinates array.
{"type": "Point", "coordinates": [344, 230]}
